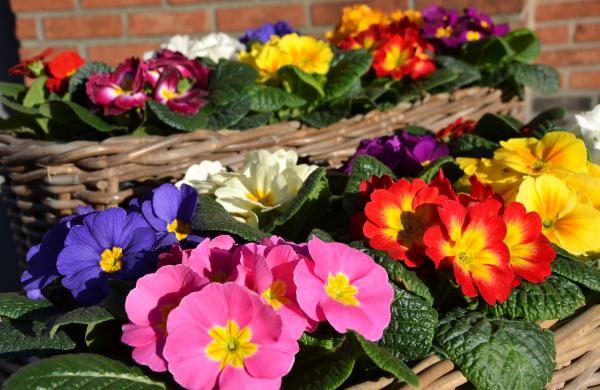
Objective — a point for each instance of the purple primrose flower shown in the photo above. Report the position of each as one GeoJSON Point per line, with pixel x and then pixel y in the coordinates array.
{"type": "Point", "coordinates": [263, 33]}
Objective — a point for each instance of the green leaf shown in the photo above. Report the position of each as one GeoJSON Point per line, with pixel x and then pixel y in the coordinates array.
{"type": "Point", "coordinates": [363, 167]}
{"type": "Point", "coordinates": [555, 298]}
{"type": "Point", "coordinates": [327, 115]}
{"type": "Point", "coordinates": [18, 107]}
{"type": "Point", "coordinates": [350, 66]}
{"type": "Point", "coordinates": [89, 316]}
{"type": "Point", "coordinates": [496, 353]}
{"type": "Point", "coordinates": [230, 114]}
{"type": "Point", "coordinates": [471, 145]}
{"type": "Point", "coordinates": [180, 121]}
{"type": "Point", "coordinates": [489, 51]}
{"type": "Point", "coordinates": [324, 337]}
{"type": "Point", "coordinates": [229, 80]}
{"type": "Point", "coordinates": [36, 93]}
{"type": "Point", "coordinates": [320, 369]}
{"type": "Point", "coordinates": [211, 216]}
{"type": "Point", "coordinates": [387, 362]}
{"type": "Point", "coordinates": [300, 83]}
{"type": "Point", "coordinates": [409, 335]}
{"type": "Point", "coordinates": [11, 90]}
{"type": "Point", "coordinates": [321, 234]}
{"type": "Point", "coordinates": [544, 121]}
{"type": "Point", "coordinates": [17, 306]}
{"type": "Point", "coordinates": [495, 127]}
{"type": "Point", "coordinates": [431, 170]}
{"type": "Point", "coordinates": [252, 121]}
{"type": "Point", "coordinates": [400, 274]}
{"type": "Point", "coordinates": [305, 209]}
{"type": "Point", "coordinates": [467, 74]}
{"type": "Point", "coordinates": [542, 78]}
{"type": "Point", "coordinates": [66, 112]}
{"type": "Point", "coordinates": [21, 338]}
{"type": "Point", "coordinates": [576, 269]}
{"type": "Point", "coordinates": [524, 43]}
{"type": "Point", "coordinates": [270, 99]}
{"type": "Point", "coordinates": [80, 77]}
{"type": "Point", "coordinates": [78, 372]}
{"type": "Point", "coordinates": [435, 79]}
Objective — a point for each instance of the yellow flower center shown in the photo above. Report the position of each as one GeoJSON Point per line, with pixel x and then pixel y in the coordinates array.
{"type": "Point", "coordinates": [464, 258]}
{"type": "Point", "coordinates": [537, 165]}
{"type": "Point", "coordinates": [181, 229]}
{"type": "Point", "coordinates": [411, 230]}
{"type": "Point", "coordinates": [395, 58]}
{"type": "Point", "coordinates": [473, 35]}
{"type": "Point", "coordinates": [339, 289]}
{"type": "Point", "coordinates": [168, 94]}
{"type": "Point", "coordinates": [71, 72]}
{"type": "Point", "coordinates": [164, 314]}
{"type": "Point", "coordinates": [110, 259]}
{"type": "Point", "coordinates": [275, 294]}
{"type": "Point", "coordinates": [230, 345]}
{"type": "Point", "coordinates": [265, 198]}
{"type": "Point", "coordinates": [443, 32]}
{"type": "Point", "coordinates": [219, 277]}
{"type": "Point", "coordinates": [548, 223]}
{"type": "Point", "coordinates": [485, 24]}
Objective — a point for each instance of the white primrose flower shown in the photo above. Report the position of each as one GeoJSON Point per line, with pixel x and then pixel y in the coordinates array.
{"type": "Point", "coordinates": [216, 46]}
{"type": "Point", "coordinates": [589, 124]}
{"type": "Point", "coordinates": [204, 177]}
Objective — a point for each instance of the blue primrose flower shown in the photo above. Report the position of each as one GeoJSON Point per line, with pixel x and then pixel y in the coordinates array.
{"type": "Point", "coordinates": [41, 258]}
{"type": "Point", "coordinates": [170, 211]}
{"type": "Point", "coordinates": [109, 244]}
{"type": "Point", "coordinates": [263, 33]}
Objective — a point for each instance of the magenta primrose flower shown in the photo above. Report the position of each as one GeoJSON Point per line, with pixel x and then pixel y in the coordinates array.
{"type": "Point", "coordinates": [180, 94]}
{"type": "Point", "coordinates": [120, 90]}
{"type": "Point", "coordinates": [226, 337]}
{"type": "Point", "coordinates": [214, 259]}
{"type": "Point", "coordinates": [148, 305]}
{"type": "Point", "coordinates": [345, 287]}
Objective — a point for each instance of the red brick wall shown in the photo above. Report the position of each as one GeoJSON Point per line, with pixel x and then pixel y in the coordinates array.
{"type": "Point", "coordinates": [110, 30]}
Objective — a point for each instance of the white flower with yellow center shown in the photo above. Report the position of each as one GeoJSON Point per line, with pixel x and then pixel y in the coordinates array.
{"type": "Point", "coordinates": [204, 177]}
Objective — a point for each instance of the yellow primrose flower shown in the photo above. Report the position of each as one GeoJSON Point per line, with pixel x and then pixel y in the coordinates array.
{"type": "Point", "coordinates": [356, 18]}
{"type": "Point", "coordinates": [266, 58]}
{"type": "Point", "coordinates": [503, 179]}
{"type": "Point", "coordinates": [413, 15]}
{"type": "Point", "coordinates": [568, 220]}
{"type": "Point", "coordinates": [307, 53]}
{"type": "Point", "coordinates": [555, 153]}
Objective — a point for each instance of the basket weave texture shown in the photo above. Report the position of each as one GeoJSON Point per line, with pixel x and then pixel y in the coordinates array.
{"type": "Point", "coordinates": [45, 180]}
{"type": "Point", "coordinates": [577, 342]}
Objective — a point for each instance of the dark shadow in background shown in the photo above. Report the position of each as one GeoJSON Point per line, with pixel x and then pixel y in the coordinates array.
{"type": "Point", "coordinates": [9, 55]}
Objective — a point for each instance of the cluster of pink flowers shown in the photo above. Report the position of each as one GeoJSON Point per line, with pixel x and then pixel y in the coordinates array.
{"type": "Point", "coordinates": [225, 315]}
{"type": "Point", "coordinates": [170, 78]}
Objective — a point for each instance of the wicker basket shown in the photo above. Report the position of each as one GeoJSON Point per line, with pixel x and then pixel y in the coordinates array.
{"type": "Point", "coordinates": [45, 180]}
{"type": "Point", "coordinates": [577, 359]}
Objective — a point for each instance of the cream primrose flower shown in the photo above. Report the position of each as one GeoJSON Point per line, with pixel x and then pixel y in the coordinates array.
{"type": "Point", "coordinates": [215, 46]}
{"type": "Point", "coordinates": [204, 177]}
{"type": "Point", "coordinates": [268, 181]}
{"type": "Point", "coordinates": [589, 123]}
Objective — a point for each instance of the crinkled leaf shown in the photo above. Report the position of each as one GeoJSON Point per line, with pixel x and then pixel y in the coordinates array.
{"type": "Point", "coordinates": [180, 121]}
{"type": "Point", "coordinates": [524, 43]}
{"type": "Point", "coordinates": [435, 79]}
{"type": "Point", "coordinates": [269, 99]}
{"type": "Point", "coordinates": [211, 216]}
{"type": "Point", "coordinates": [363, 167]}
{"type": "Point", "coordinates": [301, 83]}
{"type": "Point", "coordinates": [225, 116]}
{"type": "Point", "coordinates": [64, 111]}
{"type": "Point", "coordinates": [467, 73]}
{"type": "Point", "coordinates": [305, 210]}
{"type": "Point", "coordinates": [327, 115]}
{"type": "Point", "coordinates": [544, 121]}
{"type": "Point", "coordinates": [319, 369]}
{"type": "Point", "coordinates": [432, 169]}
{"type": "Point", "coordinates": [555, 298]}
{"type": "Point", "coordinates": [17, 306]}
{"type": "Point", "coordinates": [497, 353]}
{"type": "Point", "coordinates": [496, 127]}
{"type": "Point", "coordinates": [80, 77]}
{"type": "Point", "coordinates": [24, 338]}
{"type": "Point", "coordinates": [321, 234]}
{"type": "Point", "coordinates": [229, 81]}
{"type": "Point", "coordinates": [11, 90]}
{"type": "Point", "coordinates": [489, 51]}
{"type": "Point", "coordinates": [89, 316]}
{"type": "Point", "coordinates": [576, 269]}
{"type": "Point", "coordinates": [542, 78]}
{"type": "Point", "coordinates": [400, 274]}
{"type": "Point", "coordinates": [78, 372]}
{"type": "Point", "coordinates": [471, 145]}
{"type": "Point", "coordinates": [252, 121]}
{"type": "Point", "coordinates": [350, 66]}
{"type": "Point", "coordinates": [36, 94]}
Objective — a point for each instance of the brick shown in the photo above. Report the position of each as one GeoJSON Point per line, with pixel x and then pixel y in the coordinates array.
{"type": "Point", "coordinates": [585, 80]}
{"type": "Point", "coordinates": [116, 53]}
{"type": "Point", "coordinates": [329, 13]}
{"type": "Point", "coordinates": [566, 57]}
{"type": "Point", "coordinates": [28, 52]}
{"type": "Point", "coordinates": [117, 3]}
{"type": "Point", "coordinates": [161, 23]}
{"type": "Point", "coordinates": [187, 2]}
{"type": "Point", "coordinates": [96, 26]}
{"type": "Point", "coordinates": [553, 35]}
{"type": "Point", "coordinates": [41, 5]}
{"type": "Point", "coordinates": [237, 19]}
{"type": "Point", "coordinates": [587, 32]}
{"type": "Point", "coordinates": [570, 10]}
{"type": "Point", "coordinates": [25, 28]}
{"type": "Point", "coordinates": [487, 6]}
